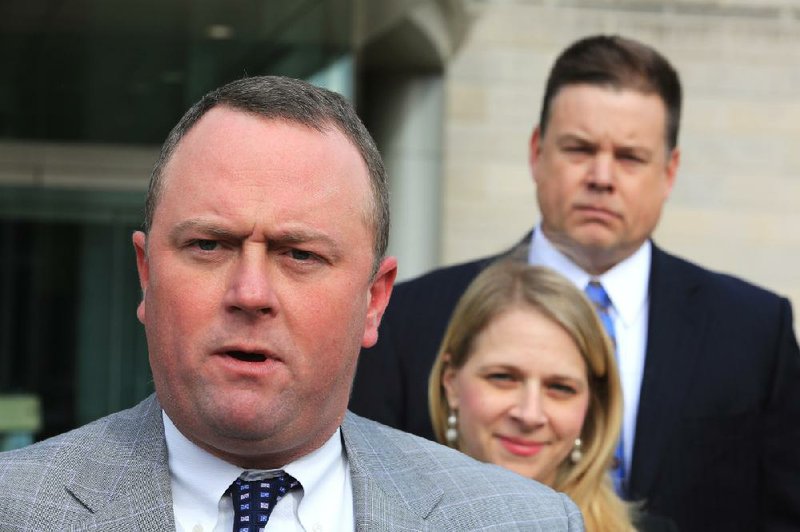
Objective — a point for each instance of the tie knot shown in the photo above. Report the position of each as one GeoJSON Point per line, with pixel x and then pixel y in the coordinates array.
{"type": "Point", "coordinates": [598, 295]}
{"type": "Point", "coordinates": [254, 499]}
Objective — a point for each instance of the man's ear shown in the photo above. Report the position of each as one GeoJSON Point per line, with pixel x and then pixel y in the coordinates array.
{"type": "Point", "coordinates": [672, 170]}
{"type": "Point", "coordinates": [534, 150]}
{"type": "Point", "coordinates": [140, 247]}
{"type": "Point", "coordinates": [379, 292]}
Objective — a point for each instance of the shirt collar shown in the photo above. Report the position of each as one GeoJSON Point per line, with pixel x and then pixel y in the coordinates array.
{"type": "Point", "coordinates": [313, 469]}
{"type": "Point", "coordinates": [202, 478]}
{"type": "Point", "coordinates": [626, 283]}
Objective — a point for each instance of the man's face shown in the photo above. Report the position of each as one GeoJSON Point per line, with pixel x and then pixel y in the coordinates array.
{"type": "Point", "coordinates": [603, 172]}
{"type": "Point", "coordinates": [257, 285]}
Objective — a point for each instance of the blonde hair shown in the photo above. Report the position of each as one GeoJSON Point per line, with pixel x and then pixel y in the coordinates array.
{"type": "Point", "coordinates": [509, 284]}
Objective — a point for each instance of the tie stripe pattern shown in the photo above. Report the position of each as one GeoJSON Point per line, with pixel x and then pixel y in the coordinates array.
{"type": "Point", "coordinates": [254, 500]}
{"type": "Point", "coordinates": [602, 304]}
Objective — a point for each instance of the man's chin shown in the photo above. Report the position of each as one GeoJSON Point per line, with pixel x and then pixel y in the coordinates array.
{"type": "Point", "coordinates": [595, 238]}
{"type": "Point", "coordinates": [593, 249]}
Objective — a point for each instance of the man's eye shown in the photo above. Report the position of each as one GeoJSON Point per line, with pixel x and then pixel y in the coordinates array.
{"type": "Point", "coordinates": [631, 158]}
{"type": "Point", "coordinates": [299, 254]}
{"type": "Point", "coordinates": [206, 245]}
{"type": "Point", "coordinates": [578, 149]}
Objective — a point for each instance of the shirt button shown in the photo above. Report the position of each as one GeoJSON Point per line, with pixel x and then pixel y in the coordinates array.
{"type": "Point", "coordinates": [197, 528]}
{"type": "Point", "coordinates": [316, 528]}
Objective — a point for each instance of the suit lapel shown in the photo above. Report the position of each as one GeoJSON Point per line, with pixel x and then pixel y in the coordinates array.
{"type": "Point", "coordinates": [674, 343]}
{"type": "Point", "coordinates": [125, 482]}
{"type": "Point", "coordinates": [140, 502]}
{"type": "Point", "coordinates": [390, 492]}
{"type": "Point", "coordinates": [375, 510]}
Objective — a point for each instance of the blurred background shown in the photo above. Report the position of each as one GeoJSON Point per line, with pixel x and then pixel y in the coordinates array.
{"type": "Point", "coordinates": [449, 88]}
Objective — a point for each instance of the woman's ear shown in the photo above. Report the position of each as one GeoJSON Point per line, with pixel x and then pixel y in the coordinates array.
{"type": "Point", "coordinates": [449, 382]}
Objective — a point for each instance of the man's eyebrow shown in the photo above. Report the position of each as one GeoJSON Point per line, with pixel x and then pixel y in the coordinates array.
{"type": "Point", "coordinates": [285, 237]}
{"type": "Point", "coordinates": [204, 227]}
{"type": "Point", "coordinates": [641, 151]}
{"type": "Point", "coordinates": [571, 137]}
{"type": "Point", "coordinates": [302, 236]}
{"type": "Point", "coordinates": [623, 148]}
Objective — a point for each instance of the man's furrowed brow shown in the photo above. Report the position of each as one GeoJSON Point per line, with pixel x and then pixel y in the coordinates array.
{"type": "Point", "coordinates": [300, 236]}
{"type": "Point", "coordinates": [205, 228]}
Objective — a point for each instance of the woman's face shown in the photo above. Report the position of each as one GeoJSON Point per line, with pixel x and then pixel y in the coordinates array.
{"type": "Point", "coordinates": [521, 396]}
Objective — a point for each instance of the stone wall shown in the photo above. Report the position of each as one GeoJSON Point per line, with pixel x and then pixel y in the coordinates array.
{"type": "Point", "coordinates": [736, 205]}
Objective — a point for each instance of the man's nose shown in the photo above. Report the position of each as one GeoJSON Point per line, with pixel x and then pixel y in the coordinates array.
{"type": "Point", "coordinates": [250, 289]}
{"type": "Point", "coordinates": [601, 172]}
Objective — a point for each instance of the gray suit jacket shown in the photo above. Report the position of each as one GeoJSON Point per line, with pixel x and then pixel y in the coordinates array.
{"type": "Point", "coordinates": [112, 475]}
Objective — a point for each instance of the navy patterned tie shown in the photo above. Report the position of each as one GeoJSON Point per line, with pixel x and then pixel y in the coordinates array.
{"type": "Point", "coordinates": [602, 304]}
{"type": "Point", "coordinates": [254, 500]}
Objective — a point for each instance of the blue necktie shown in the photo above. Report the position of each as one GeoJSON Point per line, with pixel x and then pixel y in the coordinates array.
{"type": "Point", "coordinates": [602, 304]}
{"type": "Point", "coordinates": [254, 500]}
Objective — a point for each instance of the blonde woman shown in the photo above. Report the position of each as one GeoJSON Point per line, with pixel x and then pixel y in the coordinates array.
{"type": "Point", "coordinates": [526, 378]}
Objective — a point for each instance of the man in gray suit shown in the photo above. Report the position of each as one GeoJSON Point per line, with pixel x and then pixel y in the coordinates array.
{"type": "Point", "coordinates": [263, 272]}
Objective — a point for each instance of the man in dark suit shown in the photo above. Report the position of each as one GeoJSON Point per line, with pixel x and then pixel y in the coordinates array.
{"type": "Point", "coordinates": [709, 363]}
{"type": "Point", "coordinates": [263, 272]}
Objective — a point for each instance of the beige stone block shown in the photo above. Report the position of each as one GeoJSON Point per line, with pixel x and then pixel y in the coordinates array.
{"type": "Point", "coordinates": [487, 142]}
{"type": "Point", "coordinates": [710, 225]}
{"type": "Point", "coordinates": [516, 106]}
{"type": "Point", "coordinates": [466, 103]}
{"type": "Point", "coordinates": [463, 182]}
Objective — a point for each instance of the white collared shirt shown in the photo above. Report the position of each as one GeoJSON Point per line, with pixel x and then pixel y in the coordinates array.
{"type": "Point", "coordinates": [199, 481]}
{"type": "Point", "coordinates": [627, 285]}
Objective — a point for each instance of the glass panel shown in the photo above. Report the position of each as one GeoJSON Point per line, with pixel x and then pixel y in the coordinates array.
{"type": "Point", "coordinates": [123, 71]}
{"type": "Point", "coordinates": [38, 295]}
{"type": "Point", "coordinates": [68, 294]}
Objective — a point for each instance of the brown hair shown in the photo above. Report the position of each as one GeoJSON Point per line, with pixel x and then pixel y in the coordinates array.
{"type": "Point", "coordinates": [618, 63]}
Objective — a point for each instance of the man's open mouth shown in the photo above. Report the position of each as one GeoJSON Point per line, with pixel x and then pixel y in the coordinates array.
{"type": "Point", "coordinates": [246, 356]}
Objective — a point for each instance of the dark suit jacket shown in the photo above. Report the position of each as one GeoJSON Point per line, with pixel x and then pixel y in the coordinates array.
{"type": "Point", "coordinates": [717, 444]}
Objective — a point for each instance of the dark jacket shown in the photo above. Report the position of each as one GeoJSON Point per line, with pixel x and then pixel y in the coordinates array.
{"type": "Point", "coordinates": [717, 444]}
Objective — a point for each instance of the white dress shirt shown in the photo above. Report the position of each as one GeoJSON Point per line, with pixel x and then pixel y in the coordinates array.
{"type": "Point", "coordinates": [627, 285]}
{"type": "Point", "coordinates": [199, 481]}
